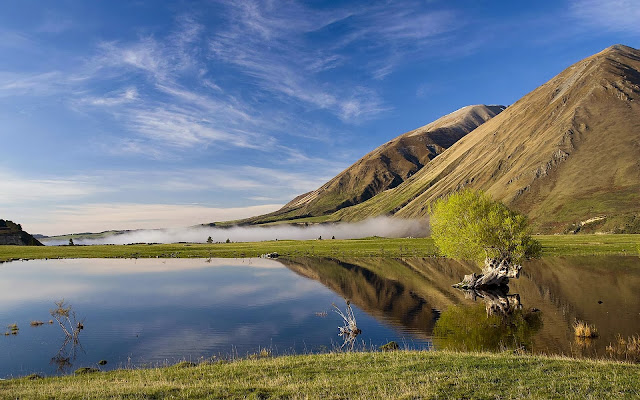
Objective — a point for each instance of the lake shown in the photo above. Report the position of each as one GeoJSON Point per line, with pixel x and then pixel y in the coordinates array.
{"type": "Point", "coordinates": [150, 312]}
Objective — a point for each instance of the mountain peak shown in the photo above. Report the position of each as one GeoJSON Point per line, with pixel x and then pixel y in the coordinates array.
{"type": "Point", "coordinates": [621, 48]}
{"type": "Point", "coordinates": [617, 50]}
{"type": "Point", "coordinates": [386, 166]}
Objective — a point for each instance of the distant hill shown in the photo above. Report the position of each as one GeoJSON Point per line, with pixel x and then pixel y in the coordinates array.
{"type": "Point", "coordinates": [385, 167]}
{"type": "Point", "coordinates": [566, 154]}
{"type": "Point", "coordinates": [63, 239]}
{"type": "Point", "coordinates": [12, 234]}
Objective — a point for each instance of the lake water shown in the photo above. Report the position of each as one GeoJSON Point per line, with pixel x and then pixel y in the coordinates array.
{"type": "Point", "coordinates": [160, 311]}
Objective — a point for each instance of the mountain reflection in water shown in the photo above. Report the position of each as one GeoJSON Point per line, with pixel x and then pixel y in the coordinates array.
{"type": "Point", "coordinates": [157, 311]}
{"type": "Point", "coordinates": [537, 315]}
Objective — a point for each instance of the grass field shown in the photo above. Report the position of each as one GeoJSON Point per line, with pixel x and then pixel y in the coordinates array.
{"type": "Point", "coordinates": [554, 245]}
{"type": "Point", "coordinates": [397, 375]}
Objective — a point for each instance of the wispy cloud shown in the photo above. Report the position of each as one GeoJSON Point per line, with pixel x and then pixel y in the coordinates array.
{"type": "Point", "coordinates": [16, 40]}
{"type": "Point", "coordinates": [246, 183]}
{"type": "Point", "coordinates": [116, 98]}
{"type": "Point", "coordinates": [269, 42]}
{"type": "Point", "coordinates": [173, 116]}
{"type": "Point", "coordinates": [265, 41]}
{"type": "Point", "coordinates": [612, 15]}
{"type": "Point", "coordinates": [38, 84]}
{"type": "Point", "coordinates": [179, 106]}
{"type": "Point", "coordinates": [15, 189]}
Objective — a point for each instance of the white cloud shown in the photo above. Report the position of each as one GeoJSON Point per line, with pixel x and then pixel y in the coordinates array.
{"type": "Point", "coordinates": [117, 98]}
{"type": "Point", "coordinates": [14, 40]}
{"type": "Point", "coordinates": [15, 189]}
{"type": "Point", "coordinates": [612, 15]}
{"type": "Point", "coordinates": [145, 55]}
{"type": "Point", "coordinates": [263, 40]}
{"type": "Point", "coordinates": [46, 83]}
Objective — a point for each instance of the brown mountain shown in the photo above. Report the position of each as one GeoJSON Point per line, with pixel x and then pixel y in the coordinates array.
{"type": "Point", "coordinates": [385, 167]}
{"type": "Point", "coordinates": [12, 234]}
{"type": "Point", "coordinates": [566, 154]}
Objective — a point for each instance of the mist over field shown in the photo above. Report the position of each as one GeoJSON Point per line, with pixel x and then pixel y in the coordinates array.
{"type": "Point", "coordinates": [380, 226]}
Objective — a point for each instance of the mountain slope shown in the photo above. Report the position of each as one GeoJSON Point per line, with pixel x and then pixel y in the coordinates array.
{"type": "Point", "coordinates": [387, 166]}
{"type": "Point", "coordinates": [12, 234]}
{"type": "Point", "coordinates": [567, 152]}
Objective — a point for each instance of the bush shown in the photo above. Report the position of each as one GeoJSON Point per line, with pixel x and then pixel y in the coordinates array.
{"type": "Point", "coordinates": [469, 225]}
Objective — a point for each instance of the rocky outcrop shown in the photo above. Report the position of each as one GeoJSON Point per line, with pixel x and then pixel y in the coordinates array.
{"type": "Point", "coordinates": [12, 234]}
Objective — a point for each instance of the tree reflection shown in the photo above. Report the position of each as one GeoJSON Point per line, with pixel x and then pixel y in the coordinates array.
{"type": "Point", "coordinates": [66, 355]}
{"type": "Point", "coordinates": [71, 327]}
{"type": "Point", "coordinates": [498, 324]}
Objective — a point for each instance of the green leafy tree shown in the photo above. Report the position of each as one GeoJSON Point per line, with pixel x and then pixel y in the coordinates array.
{"type": "Point", "coordinates": [469, 225]}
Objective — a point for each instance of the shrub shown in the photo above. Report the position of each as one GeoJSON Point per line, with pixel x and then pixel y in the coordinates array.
{"type": "Point", "coordinates": [470, 225]}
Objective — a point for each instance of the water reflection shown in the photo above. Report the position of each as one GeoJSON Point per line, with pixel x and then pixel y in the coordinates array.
{"type": "Point", "coordinates": [503, 324]}
{"type": "Point", "coordinates": [158, 311]}
{"type": "Point", "coordinates": [416, 296]}
{"type": "Point", "coordinates": [154, 312]}
{"type": "Point", "coordinates": [469, 328]}
{"type": "Point", "coordinates": [387, 299]}
{"type": "Point", "coordinates": [67, 354]}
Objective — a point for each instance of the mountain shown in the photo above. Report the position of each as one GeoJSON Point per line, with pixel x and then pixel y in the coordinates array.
{"type": "Point", "coordinates": [12, 234]}
{"type": "Point", "coordinates": [385, 167]}
{"type": "Point", "coordinates": [566, 154]}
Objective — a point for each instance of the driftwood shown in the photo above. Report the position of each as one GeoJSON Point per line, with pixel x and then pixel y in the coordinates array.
{"type": "Point", "coordinates": [495, 274]}
{"type": "Point", "coordinates": [497, 301]}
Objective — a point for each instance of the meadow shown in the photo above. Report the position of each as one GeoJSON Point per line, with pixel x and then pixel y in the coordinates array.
{"type": "Point", "coordinates": [553, 245]}
{"type": "Point", "coordinates": [359, 375]}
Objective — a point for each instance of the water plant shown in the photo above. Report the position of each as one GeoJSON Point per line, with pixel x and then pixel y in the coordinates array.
{"type": "Point", "coordinates": [627, 349]}
{"type": "Point", "coordinates": [391, 346]}
{"type": "Point", "coordinates": [584, 330]}
{"type": "Point", "coordinates": [86, 370]}
{"type": "Point", "coordinates": [67, 320]}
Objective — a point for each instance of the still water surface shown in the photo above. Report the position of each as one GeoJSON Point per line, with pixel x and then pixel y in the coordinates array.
{"type": "Point", "coordinates": [155, 311]}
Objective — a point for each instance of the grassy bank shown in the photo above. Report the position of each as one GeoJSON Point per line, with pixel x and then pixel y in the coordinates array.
{"type": "Point", "coordinates": [372, 247]}
{"type": "Point", "coordinates": [351, 375]}
{"type": "Point", "coordinates": [293, 248]}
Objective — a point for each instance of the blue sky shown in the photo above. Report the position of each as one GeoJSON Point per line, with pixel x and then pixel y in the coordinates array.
{"type": "Point", "coordinates": [147, 114]}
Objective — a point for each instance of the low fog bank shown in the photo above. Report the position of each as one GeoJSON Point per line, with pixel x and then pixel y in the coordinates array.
{"type": "Point", "coordinates": [380, 226]}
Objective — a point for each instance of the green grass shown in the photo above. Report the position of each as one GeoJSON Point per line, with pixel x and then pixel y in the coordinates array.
{"type": "Point", "coordinates": [556, 245]}
{"type": "Point", "coordinates": [313, 248]}
{"type": "Point", "coordinates": [575, 245]}
{"type": "Point", "coordinates": [350, 376]}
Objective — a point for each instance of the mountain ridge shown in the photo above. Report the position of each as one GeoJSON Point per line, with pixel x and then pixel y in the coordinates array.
{"type": "Point", "coordinates": [548, 155]}
{"type": "Point", "coordinates": [385, 167]}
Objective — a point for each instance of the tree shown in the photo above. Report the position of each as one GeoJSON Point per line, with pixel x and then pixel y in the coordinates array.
{"type": "Point", "coordinates": [71, 242]}
{"type": "Point", "coordinates": [469, 225]}
{"type": "Point", "coordinates": [209, 240]}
